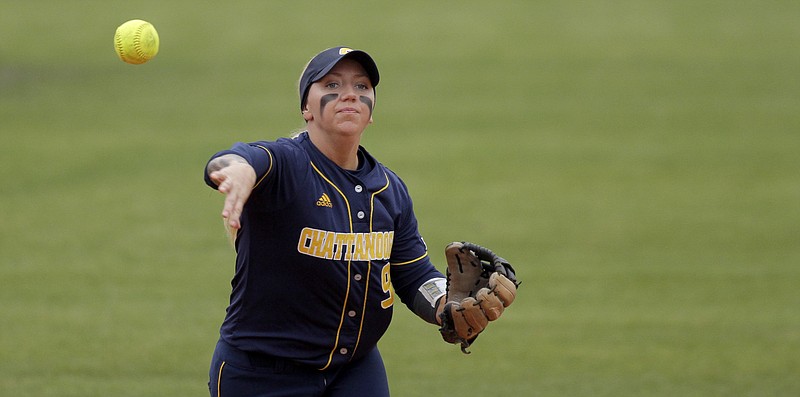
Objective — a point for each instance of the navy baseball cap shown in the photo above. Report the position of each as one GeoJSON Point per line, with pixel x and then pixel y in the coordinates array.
{"type": "Point", "coordinates": [323, 62]}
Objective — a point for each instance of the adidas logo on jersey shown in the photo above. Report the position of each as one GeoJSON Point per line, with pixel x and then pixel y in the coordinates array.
{"type": "Point", "coordinates": [324, 201]}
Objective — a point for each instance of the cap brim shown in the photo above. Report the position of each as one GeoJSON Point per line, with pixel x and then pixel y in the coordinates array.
{"type": "Point", "coordinates": [368, 63]}
{"type": "Point", "coordinates": [361, 57]}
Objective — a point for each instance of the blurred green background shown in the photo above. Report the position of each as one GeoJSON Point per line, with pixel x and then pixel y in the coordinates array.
{"type": "Point", "coordinates": [636, 160]}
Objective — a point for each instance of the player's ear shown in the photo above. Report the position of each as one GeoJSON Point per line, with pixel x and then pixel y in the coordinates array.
{"type": "Point", "coordinates": [307, 116]}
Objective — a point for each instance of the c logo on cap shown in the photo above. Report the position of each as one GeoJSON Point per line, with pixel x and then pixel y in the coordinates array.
{"type": "Point", "coordinates": [344, 50]}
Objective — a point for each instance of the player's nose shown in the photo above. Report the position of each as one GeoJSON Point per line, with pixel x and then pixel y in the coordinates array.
{"type": "Point", "coordinates": [349, 93]}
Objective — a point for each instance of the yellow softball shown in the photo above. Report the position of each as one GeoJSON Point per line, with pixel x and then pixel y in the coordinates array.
{"type": "Point", "coordinates": [136, 41]}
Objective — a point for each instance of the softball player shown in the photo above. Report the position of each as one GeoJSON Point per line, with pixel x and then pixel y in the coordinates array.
{"type": "Point", "coordinates": [326, 240]}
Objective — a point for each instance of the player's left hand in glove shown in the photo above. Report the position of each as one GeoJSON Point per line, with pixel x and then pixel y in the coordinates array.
{"type": "Point", "coordinates": [480, 285]}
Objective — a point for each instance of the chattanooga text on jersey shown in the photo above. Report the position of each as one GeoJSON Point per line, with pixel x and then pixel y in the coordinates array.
{"type": "Point", "coordinates": [345, 246]}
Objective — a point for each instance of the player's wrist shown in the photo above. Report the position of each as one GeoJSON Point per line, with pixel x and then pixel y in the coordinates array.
{"type": "Point", "coordinates": [439, 309]}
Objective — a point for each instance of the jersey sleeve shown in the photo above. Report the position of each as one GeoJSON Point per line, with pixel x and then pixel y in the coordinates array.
{"type": "Point", "coordinates": [257, 154]}
{"type": "Point", "coordinates": [411, 264]}
{"type": "Point", "coordinates": [408, 246]}
{"type": "Point", "coordinates": [281, 171]}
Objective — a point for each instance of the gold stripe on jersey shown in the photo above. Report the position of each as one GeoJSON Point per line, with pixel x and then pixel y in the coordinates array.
{"type": "Point", "coordinates": [411, 261]}
{"type": "Point", "coordinates": [349, 263]}
{"type": "Point", "coordinates": [270, 164]}
{"type": "Point", "coordinates": [386, 280]}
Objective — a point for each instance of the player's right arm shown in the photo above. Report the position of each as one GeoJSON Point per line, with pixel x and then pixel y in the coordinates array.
{"type": "Point", "coordinates": [235, 178]}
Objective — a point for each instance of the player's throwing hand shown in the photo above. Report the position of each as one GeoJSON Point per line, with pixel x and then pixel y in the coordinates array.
{"type": "Point", "coordinates": [235, 178]}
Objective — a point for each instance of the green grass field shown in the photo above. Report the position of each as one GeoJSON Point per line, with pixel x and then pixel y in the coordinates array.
{"type": "Point", "coordinates": [638, 162]}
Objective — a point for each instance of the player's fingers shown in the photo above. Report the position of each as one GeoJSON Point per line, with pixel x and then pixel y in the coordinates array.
{"type": "Point", "coordinates": [232, 199]}
{"type": "Point", "coordinates": [490, 303]}
{"type": "Point", "coordinates": [217, 177]}
{"type": "Point", "coordinates": [236, 181]}
{"type": "Point", "coordinates": [234, 204]}
{"type": "Point", "coordinates": [236, 184]}
{"type": "Point", "coordinates": [229, 210]}
{"type": "Point", "coordinates": [504, 288]}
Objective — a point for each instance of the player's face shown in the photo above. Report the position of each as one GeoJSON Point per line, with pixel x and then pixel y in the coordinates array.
{"type": "Point", "coordinates": [342, 101]}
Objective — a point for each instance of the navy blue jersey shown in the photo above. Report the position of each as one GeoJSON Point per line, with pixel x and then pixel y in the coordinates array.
{"type": "Point", "coordinates": [321, 254]}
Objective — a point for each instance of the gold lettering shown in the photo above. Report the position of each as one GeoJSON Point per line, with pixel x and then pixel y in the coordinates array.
{"type": "Point", "coordinates": [349, 240]}
{"type": "Point", "coordinates": [317, 239]}
{"type": "Point", "coordinates": [379, 237]}
{"type": "Point", "coordinates": [345, 246]}
{"type": "Point", "coordinates": [369, 244]}
{"type": "Point", "coordinates": [327, 249]}
{"type": "Point", "coordinates": [341, 246]}
{"type": "Point", "coordinates": [389, 241]}
{"type": "Point", "coordinates": [305, 239]}
{"type": "Point", "coordinates": [357, 246]}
